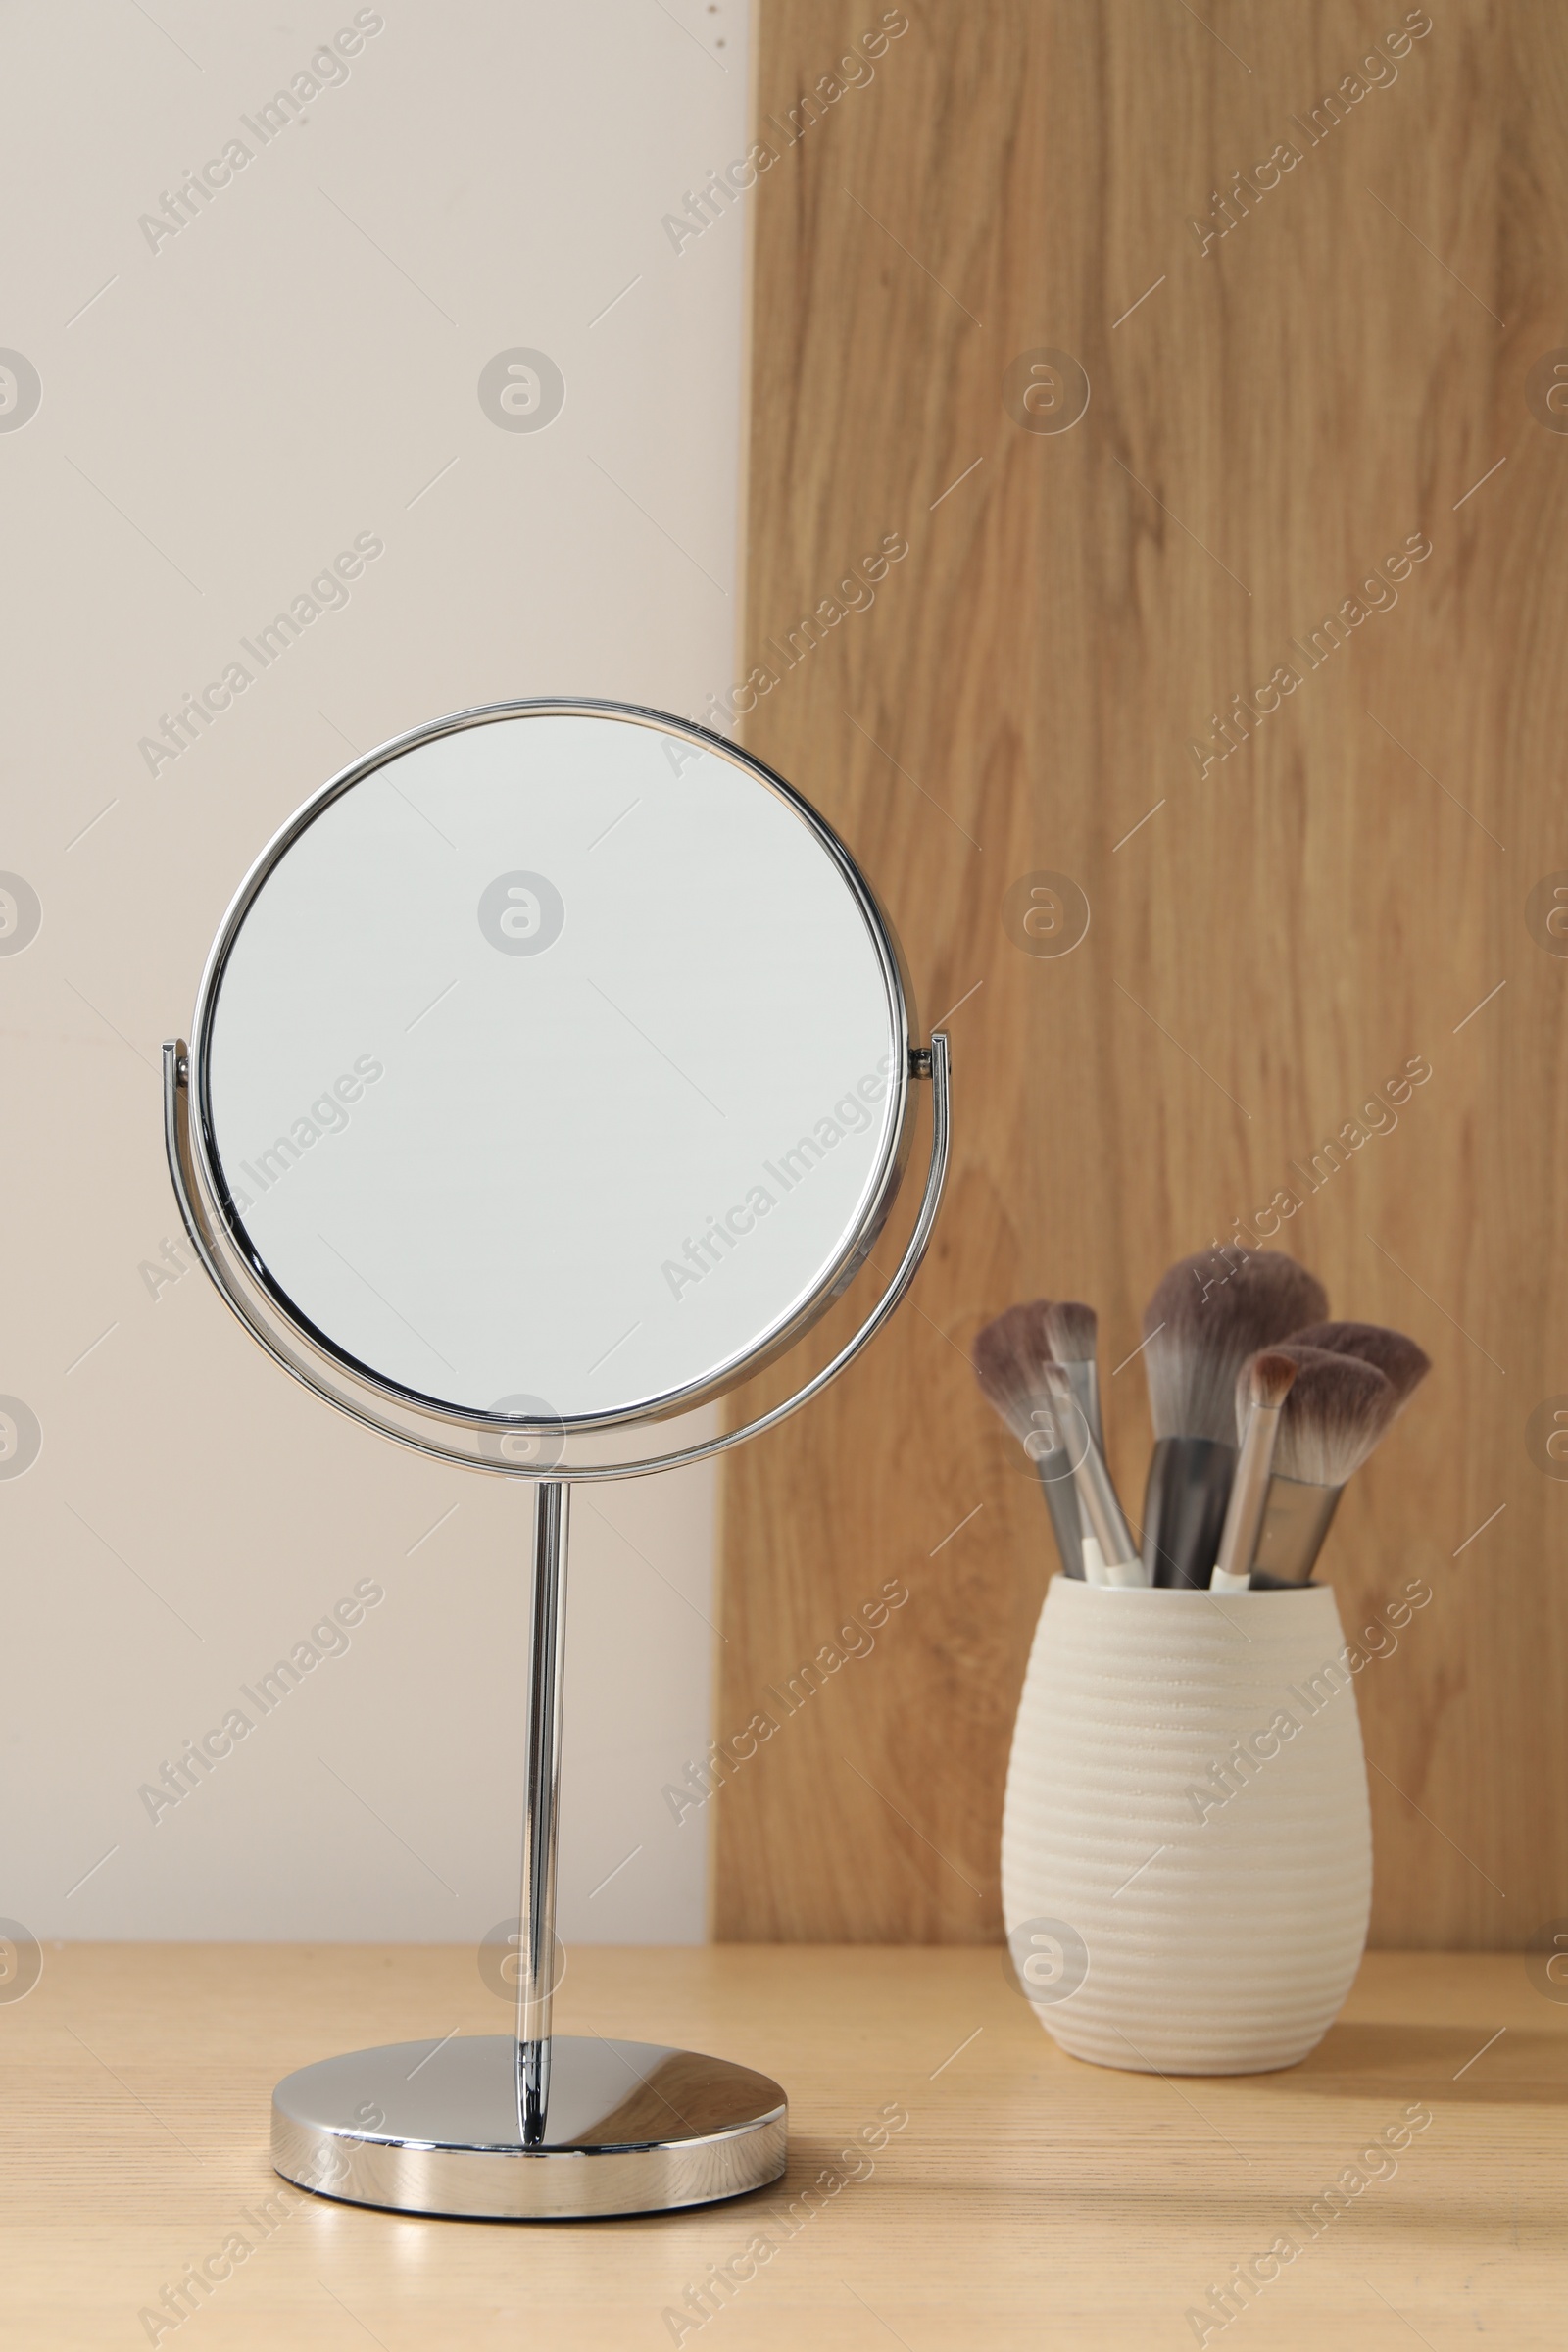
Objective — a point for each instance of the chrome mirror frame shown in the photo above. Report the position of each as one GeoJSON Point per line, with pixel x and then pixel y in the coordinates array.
{"type": "Point", "coordinates": [268, 1311]}
{"type": "Point", "coordinates": [484, 1441]}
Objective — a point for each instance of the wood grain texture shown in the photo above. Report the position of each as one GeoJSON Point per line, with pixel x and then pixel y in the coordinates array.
{"type": "Point", "coordinates": [1273, 934]}
{"type": "Point", "coordinates": [1025, 2192]}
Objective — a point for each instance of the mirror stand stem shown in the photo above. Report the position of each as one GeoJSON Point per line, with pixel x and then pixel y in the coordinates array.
{"type": "Point", "coordinates": [547, 1628]}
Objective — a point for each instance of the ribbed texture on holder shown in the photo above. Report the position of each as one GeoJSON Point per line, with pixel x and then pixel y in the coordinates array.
{"type": "Point", "coordinates": [1220, 1944]}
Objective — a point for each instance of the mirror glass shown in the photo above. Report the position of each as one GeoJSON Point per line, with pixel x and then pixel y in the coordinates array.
{"type": "Point", "coordinates": [554, 1066]}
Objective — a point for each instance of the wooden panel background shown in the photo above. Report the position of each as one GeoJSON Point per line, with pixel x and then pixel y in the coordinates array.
{"type": "Point", "coordinates": [1270, 940]}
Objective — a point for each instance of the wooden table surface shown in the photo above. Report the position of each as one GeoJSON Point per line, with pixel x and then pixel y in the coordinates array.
{"type": "Point", "coordinates": [1028, 2200]}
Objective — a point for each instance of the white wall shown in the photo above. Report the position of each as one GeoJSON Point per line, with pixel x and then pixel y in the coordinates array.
{"type": "Point", "coordinates": [220, 416]}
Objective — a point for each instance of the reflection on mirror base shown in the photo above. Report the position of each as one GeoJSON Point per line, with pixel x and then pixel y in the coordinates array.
{"type": "Point", "coordinates": [428, 2126]}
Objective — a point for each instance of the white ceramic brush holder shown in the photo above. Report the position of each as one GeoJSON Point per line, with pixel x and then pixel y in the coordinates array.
{"type": "Point", "coordinates": [1187, 1844]}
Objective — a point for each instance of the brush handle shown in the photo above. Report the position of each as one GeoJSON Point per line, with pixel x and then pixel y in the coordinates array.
{"type": "Point", "coordinates": [1295, 1520]}
{"type": "Point", "coordinates": [1244, 1513]}
{"type": "Point", "coordinates": [1124, 1575]}
{"type": "Point", "coordinates": [1103, 1516]}
{"type": "Point", "coordinates": [1184, 1510]}
{"type": "Point", "coordinates": [1061, 1502]}
{"type": "Point", "coordinates": [1084, 1376]}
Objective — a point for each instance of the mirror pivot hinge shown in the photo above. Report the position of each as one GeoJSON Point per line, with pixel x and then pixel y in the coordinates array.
{"type": "Point", "coordinates": [920, 1062]}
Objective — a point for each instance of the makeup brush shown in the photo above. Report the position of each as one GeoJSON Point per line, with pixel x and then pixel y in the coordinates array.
{"type": "Point", "coordinates": [1010, 1358]}
{"type": "Point", "coordinates": [1110, 1556]}
{"type": "Point", "coordinates": [1207, 1316]}
{"type": "Point", "coordinates": [1074, 1330]}
{"type": "Point", "coordinates": [1400, 1361]}
{"type": "Point", "coordinates": [1266, 1381]}
{"type": "Point", "coordinates": [1337, 1410]}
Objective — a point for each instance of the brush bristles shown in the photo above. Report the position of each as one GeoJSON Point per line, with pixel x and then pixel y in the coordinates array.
{"type": "Point", "coordinates": [1009, 1356]}
{"type": "Point", "coordinates": [1072, 1330]}
{"type": "Point", "coordinates": [1337, 1410]}
{"type": "Point", "coordinates": [1207, 1316]}
{"type": "Point", "coordinates": [1400, 1361]}
{"type": "Point", "coordinates": [1265, 1381]}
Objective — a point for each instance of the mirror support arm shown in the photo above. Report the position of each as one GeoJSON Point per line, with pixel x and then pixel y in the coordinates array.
{"type": "Point", "coordinates": [536, 1971]}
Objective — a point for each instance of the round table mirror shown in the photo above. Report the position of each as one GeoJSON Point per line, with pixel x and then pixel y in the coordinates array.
{"type": "Point", "coordinates": [550, 1074]}
{"type": "Point", "coordinates": [555, 1067]}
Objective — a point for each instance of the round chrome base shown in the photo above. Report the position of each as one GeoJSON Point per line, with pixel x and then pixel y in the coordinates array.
{"type": "Point", "coordinates": [431, 2126]}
